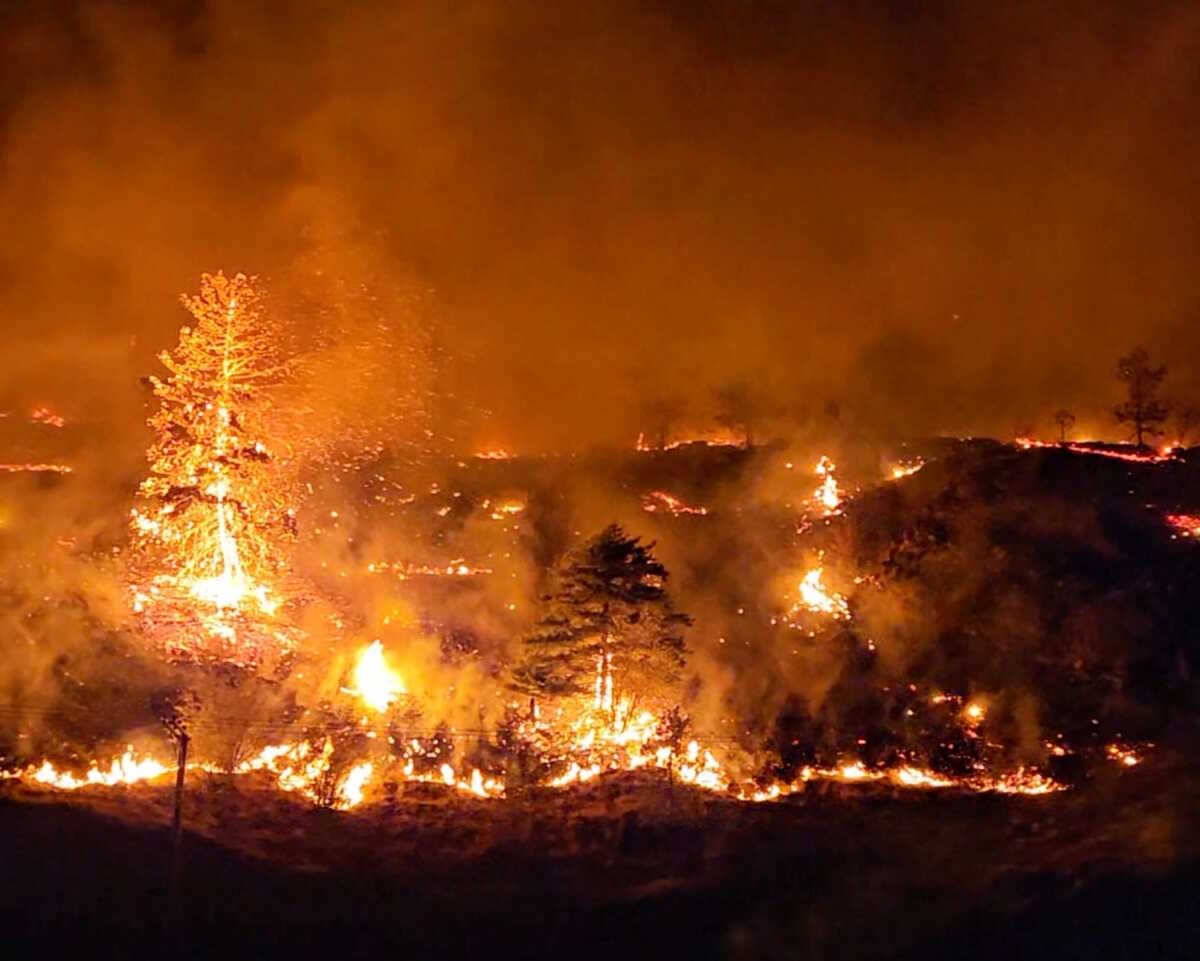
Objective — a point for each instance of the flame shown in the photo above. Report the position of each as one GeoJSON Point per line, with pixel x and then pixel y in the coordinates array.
{"type": "Point", "coordinates": [656, 500]}
{"type": "Point", "coordinates": [814, 597]}
{"type": "Point", "coordinates": [44, 415]}
{"type": "Point", "coordinates": [827, 496]}
{"type": "Point", "coordinates": [497, 453]}
{"type": "Point", "coordinates": [36, 468]}
{"type": "Point", "coordinates": [124, 769]}
{"type": "Point", "coordinates": [503, 509]}
{"type": "Point", "coordinates": [1122, 754]}
{"type": "Point", "coordinates": [1188, 525]}
{"type": "Point", "coordinates": [714, 437]}
{"type": "Point", "coordinates": [906, 468]}
{"type": "Point", "coordinates": [351, 790]}
{"type": "Point", "coordinates": [1159, 456]}
{"type": "Point", "coordinates": [595, 743]}
{"type": "Point", "coordinates": [404, 570]}
{"type": "Point", "coordinates": [612, 738]}
{"type": "Point", "coordinates": [374, 682]}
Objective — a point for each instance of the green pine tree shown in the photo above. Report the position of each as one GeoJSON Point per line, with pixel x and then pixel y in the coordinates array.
{"type": "Point", "coordinates": [608, 629]}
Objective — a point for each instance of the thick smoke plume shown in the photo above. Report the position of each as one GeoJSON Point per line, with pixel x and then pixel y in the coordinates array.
{"type": "Point", "coordinates": [950, 219]}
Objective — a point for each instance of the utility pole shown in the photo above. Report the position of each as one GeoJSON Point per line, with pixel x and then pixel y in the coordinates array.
{"type": "Point", "coordinates": [177, 833]}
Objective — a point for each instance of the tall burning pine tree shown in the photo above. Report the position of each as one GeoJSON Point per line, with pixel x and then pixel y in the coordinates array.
{"type": "Point", "coordinates": [215, 504]}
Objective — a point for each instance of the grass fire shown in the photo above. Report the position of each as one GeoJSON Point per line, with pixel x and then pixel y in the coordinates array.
{"type": "Point", "coordinates": [711, 480]}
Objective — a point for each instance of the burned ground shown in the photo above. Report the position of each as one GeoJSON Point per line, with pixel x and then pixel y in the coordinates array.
{"type": "Point", "coordinates": [617, 868]}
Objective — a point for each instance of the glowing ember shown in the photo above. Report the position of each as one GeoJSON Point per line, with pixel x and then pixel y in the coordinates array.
{"type": "Point", "coordinates": [404, 570]}
{"type": "Point", "coordinates": [35, 469]}
{"type": "Point", "coordinates": [661, 500]}
{"type": "Point", "coordinates": [1123, 755]}
{"type": "Point", "coordinates": [717, 437]}
{"type": "Point", "coordinates": [1187, 525]}
{"type": "Point", "coordinates": [374, 682]}
{"type": "Point", "coordinates": [1135, 456]}
{"type": "Point", "coordinates": [906, 468]}
{"type": "Point", "coordinates": [505, 509]}
{"type": "Point", "coordinates": [497, 453]}
{"type": "Point", "coordinates": [44, 415]}
{"type": "Point", "coordinates": [126, 769]}
{"type": "Point", "coordinates": [1021, 781]}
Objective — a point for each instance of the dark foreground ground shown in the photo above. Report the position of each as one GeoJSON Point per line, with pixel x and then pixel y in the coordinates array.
{"type": "Point", "coordinates": [611, 870]}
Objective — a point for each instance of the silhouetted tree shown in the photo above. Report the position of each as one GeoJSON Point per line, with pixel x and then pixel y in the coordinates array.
{"type": "Point", "coordinates": [1143, 410]}
{"type": "Point", "coordinates": [608, 627]}
{"type": "Point", "coordinates": [1065, 420]}
{"type": "Point", "coordinates": [738, 410]}
{"type": "Point", "coordinates": [1187, 419]}
{"type": "Point", "coordinates": [664, 413]}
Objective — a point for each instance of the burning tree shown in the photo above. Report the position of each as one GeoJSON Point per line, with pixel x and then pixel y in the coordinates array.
{"type": "Point", "coordinates": [608, 628]}
{"type": "Point", "coordinates": [1143, 410]}
{"type": "Point", "coordinates": [215, 505]}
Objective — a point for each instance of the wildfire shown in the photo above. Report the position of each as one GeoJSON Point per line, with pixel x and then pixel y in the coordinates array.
{"type": "Point", "coordinates": [1188, 525]}
{"type": "Point", "coordinates": [1158, 456]}
{"type": "Point", "coordinates": [661, 500]}
{"type": "Point", "coordinates": [213, 510]}
{"type": "Point", "coordinates": [404, 570]}
{"type": "Point", "coordinates": [376, 684]}
{"type": "Point", "coordinates": [505, 509]}
{"type": "Point", "coordinates": [612, 737]}
{"type": "Point", "coordinates": [1027, 781]}
{"type": "Point", "coordinates": [826, 495]}
{"type": "Point", "coordinates": [301, 769]}
{"type": "Point", "coordinates": [814, 597]}
{"type": "Point", "coordinates": [36, 468]}
{"type": "Point", "coordinates": [44, 415]}
{"type": "Point", "coordinates": [128, 768]}
{"type": "Point", "coordinates": [716, 437]}
{"type": "Point", "coordinates": [1123, 754]}
{"type": "Point", "coordinates": [906, 468]}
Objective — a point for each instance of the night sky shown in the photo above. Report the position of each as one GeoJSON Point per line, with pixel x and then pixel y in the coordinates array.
{"type": "Point", "coordinates": [942, 216]}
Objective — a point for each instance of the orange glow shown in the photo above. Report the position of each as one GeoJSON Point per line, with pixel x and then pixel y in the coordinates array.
{"type": "Point", "coordinates": [44, 415]}
{"type": "Point", "coordinates": [1188, 525]}
{"type": "Point", "coordinates": [714, 437]}
{"type": "Point", "coordinates": [125, 769]}
{"type": "Point", "coordinates": [1123, 755]}
{"type": "Point", "coordinates": [404, 570]}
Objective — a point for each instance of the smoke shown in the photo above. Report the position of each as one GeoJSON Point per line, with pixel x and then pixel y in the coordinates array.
{"type": "Point", "coordinates": [950, 219]}
{"type": "Point", "coordinates": [550, 227]}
